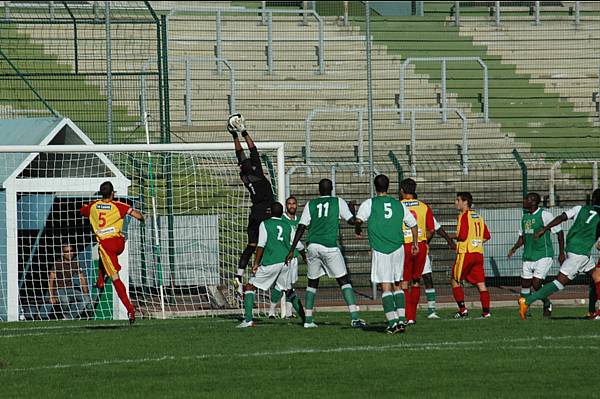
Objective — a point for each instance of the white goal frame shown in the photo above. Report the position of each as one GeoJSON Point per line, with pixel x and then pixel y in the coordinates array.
{"type": "Point", "coordinates": [12, 186]}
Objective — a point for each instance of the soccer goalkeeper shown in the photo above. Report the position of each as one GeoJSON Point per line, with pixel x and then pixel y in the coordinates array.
{"type": "Point", "coordinates": [261, 193]}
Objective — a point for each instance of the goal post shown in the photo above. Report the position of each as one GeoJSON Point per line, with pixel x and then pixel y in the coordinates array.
{"type": "Point", "coordinates": [201, 222]}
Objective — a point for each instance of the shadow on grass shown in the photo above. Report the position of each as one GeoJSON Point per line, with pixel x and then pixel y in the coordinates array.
{"type": "Point", "coordinates": [107, 327]}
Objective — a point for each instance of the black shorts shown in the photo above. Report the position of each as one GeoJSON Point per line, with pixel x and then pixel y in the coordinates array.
{"type": "Point", "coordinates": [254, 221]}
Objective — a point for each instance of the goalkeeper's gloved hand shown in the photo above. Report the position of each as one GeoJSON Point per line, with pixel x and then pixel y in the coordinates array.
{"type": "Point", "coordinates": [231, 130]}
{"type": "Point", "coordinates": [235, 123]}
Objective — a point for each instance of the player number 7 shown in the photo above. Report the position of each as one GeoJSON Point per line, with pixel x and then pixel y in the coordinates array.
{"type": "Point", "coordinates": [592, 214]}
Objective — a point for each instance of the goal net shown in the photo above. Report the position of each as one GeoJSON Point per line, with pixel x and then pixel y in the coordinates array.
{"type": "Point", "coordinates": [179, 262]}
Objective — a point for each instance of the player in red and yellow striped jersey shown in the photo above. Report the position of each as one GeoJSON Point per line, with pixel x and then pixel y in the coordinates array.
{"type": "Point", "coordinates": [471, 233]}
{"type": "Point", "coordinates": [414, 265]}
{"type": "Point", "coordinates": [106, 217]}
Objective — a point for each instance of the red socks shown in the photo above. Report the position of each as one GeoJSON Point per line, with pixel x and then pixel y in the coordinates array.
{"type": "Point", "coordinates": [412, 303]}
{"type": "Point", "coordinates": [122, 292]}
{"type": "Point", "coordinates": [484, 296]}
{"type": "Point", "coordinates": [459, 297]}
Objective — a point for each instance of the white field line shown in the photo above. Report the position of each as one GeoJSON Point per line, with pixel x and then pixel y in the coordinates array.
{"type": "Point", "coordinates": [439, 346]}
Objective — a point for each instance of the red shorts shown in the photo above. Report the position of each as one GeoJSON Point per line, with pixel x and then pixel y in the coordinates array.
{"type": "Point", "coordinates": [109, 250]}
{"type": "Point", "coordinates": [414, 265]}
{"type": "Point", "coordinates": [469, 267]}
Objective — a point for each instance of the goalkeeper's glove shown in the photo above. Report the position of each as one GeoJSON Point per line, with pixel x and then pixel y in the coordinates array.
{"type": "Point", "coordinates": [231, 130]}
{"type": "Point", "coordinates": [235, 123]}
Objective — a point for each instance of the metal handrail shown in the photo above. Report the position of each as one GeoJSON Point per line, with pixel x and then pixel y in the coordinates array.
{"type": "Point", "coordinates": [444, 104]}
{"type": "Point", "coordinates": [413, 128]}
{"type": "Point", "coordinates": [269, 13]}
{"type": "Point", "coordinates": [187, 60]}
{"type": "Point", "coordinates": [555, 165]}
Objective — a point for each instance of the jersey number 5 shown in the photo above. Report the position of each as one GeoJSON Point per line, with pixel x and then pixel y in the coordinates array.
{"type": "Point", "coordinates": [387, 208]}
{"type": "Point", "coordinates": [101, 219]}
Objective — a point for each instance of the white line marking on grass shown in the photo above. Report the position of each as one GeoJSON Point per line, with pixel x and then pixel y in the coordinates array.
{"type": "Point", "coordinates": [440, 346]}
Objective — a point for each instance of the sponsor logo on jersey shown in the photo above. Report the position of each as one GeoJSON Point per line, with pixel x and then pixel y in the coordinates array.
{"type": "Point", "coordinates": [104, 207]}
{"type": "Point", "coordinates": [475, 216]}
{"type": "Point", "coordinates": [103, 232]}
{"type": "Point", "coordinates": [410, 203]}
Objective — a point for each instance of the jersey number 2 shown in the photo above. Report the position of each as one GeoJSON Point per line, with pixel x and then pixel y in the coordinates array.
{"type": "Point", "coordinates": [279, 233]}
{"type": "Point", "coordinates": [321, 208]}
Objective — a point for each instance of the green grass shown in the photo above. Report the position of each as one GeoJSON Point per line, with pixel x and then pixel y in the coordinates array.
{"type": "Point", "coordinates": [498, 357]}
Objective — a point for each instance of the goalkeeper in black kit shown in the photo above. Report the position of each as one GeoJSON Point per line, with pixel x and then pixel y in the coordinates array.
{"type": "Point", "coordinates": [261, 192]}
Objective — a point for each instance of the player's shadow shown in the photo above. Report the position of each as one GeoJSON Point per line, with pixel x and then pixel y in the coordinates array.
{"type": "Point", "coordinates": [374, 328]}
{"type": "Point", "coordinates": [568, 318]}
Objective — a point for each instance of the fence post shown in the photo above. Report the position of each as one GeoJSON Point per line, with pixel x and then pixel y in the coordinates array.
{"type": "Point", "coordinates": [413, 142]}
{"type": "Point", "coordinates": [551, 192]}
{"type": "Point", "coordinates": [307, 138]}
{"type": "Point", "coordinates": [232, 99]}
{"type": "Point", "coordinates": [333, 169]}
{"type": "Point", "coordinates": [537, 13]}
{"type": "Point", "coordinates": [188, 93]}
{"type": "Point", "coordinates": [346, 13]}
{"type": "Point", "coordinates": [401, 94]}
{"type": "Point", "coordinates": [444, 105]}
{"type": "Point", "coordinates": [218, 47]}
{"type": "Point", "coordinates": [523, 166]}
{"type": "Point", "coordinates": [51, 10]}
{"type": "Point", "coordinates": [486, 94]}
{"type": "Point", "coordinates": [304, 8]}
{"type": "Point", "coordinates": [109, 132]}
{"type": "Point", "coordinates": [369, 93]}
{"type": "Point", "coordinates": [263, 16]}
{"type": "Point", "coordinates": [269, 43]}
{"type": "Point", "coordinates": [397, 166]}
{"type": "Point", "coordinates": [465, 144]}
{"type": "Point", "coordinates": [498, 14]}
{"type": "Point", "coordinates": [360, 145]}
{"type": "Point", "coordinates": [457, 13]}
{"type": "Point", "coordinates": [321, 45]}
{"type": "Point", "coordinates": [594, 175]}
{"type": "Point", "coordinates": [577, 14]}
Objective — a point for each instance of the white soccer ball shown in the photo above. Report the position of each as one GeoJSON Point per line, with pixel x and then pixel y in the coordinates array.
{"type": "Point", "coordinates": [236, 122]}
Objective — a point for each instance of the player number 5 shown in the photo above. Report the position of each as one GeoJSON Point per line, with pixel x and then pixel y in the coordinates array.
{"type": "Point", "coordinates": [101, 219]}
{"type": "Point", "coordinates": [387, 207]}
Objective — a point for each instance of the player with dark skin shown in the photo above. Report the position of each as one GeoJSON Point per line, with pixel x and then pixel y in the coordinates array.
{"type": "Point", "coordinates": [259, 187]}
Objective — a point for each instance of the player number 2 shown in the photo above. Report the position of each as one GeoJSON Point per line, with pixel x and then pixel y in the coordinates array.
{"type": "Point", "coordinates": [387, 208]}
{"type": "Point", "coordinates": [279, 233]}
{"type": "Point", "coordinates": [592, 214]}
{"type": "Point", "coordinates": [321, 208]}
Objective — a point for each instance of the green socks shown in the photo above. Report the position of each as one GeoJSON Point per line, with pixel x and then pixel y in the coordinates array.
{"type": "Point", "coordinates": [544, 292]}
{"type": "Point", "coordinates": [311, 293]}
{"type": "Point", "coordinates": [400, 302]}
{"type": "Point", "coordinates": [430, 293]}
{"type": "Point", "coordinates": [275, 295]}
{"type": "Point", "coordinates": [389, 308]}
{"type": "Point", "coordinates": [350, 300]}
{"type": "Point", "coordinates": [248, 305]}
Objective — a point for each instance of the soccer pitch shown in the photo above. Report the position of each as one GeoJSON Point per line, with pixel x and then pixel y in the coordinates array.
{"type": "Point", "coordinates": [493, 358]}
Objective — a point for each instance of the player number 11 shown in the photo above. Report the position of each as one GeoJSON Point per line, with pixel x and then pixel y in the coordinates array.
{"type": "Point", "coordinates": [321, 208]}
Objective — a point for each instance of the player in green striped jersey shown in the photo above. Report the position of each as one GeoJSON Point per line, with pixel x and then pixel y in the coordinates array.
{"type": "Point", "coordinates": [537, 254]}
{"type": "Point", "coordinates": [583, 234]}
{"type": "Point", "coordinates": [321, 216]}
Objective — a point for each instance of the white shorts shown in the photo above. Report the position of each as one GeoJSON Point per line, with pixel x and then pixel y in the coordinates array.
{"type": "Point", "coordinates": [293, 271]}
{"type": "Point", "coordinates": [273, 275]}
{"type": "Point", "coordinates": [387, 268]}
{"type": "Point", "coordinates": [538, 269]}
{"type": "Point", "coordinates": [576, 264]}
{"type": "Point", "coordinates": [321, 260]}
{"type": "Point", "coordinates": [427, 267]}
